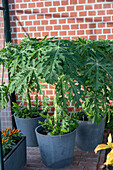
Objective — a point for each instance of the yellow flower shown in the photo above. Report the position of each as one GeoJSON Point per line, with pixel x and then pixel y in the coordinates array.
{"type": "Point", "coordinates": [109, 159]}
{"type": "Point", "coordinates": [109, 139]}
{"type": "Point", "coordinates": [101, 147]}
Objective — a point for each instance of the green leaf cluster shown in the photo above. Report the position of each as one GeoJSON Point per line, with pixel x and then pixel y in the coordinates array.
{"type": "Point", "coordinates": [4, 93]}
{"type": "Point", "coordinates": [4, 97]}
{"type": "Point", "coordinates": [64, 125]}
{"type": "Point", "coordinates": [25, 72]}
{"type": "Point", "coordinates": [97, 73]}
{"type": "Point", "coordinates": [77, 68]}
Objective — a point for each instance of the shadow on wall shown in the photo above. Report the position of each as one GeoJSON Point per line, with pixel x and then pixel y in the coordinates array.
{"type": "Point", "coordinates": [90, 33]}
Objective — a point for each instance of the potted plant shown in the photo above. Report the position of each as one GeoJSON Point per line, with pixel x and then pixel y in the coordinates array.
{"type": "Point", "coordinates": [89, 134]}
{"type": "Point", "coordinates": [14, 149]}
{"type": "Point", "coordinates": [56, 138]}
{"type": "Point", "coordinates": [98, 88]}
{"type": "Point", "coordinates": [25, 75]}
{"type": "Point", "coordinates": [49, 59]}
{"type": "Point", "coordinates": [27, 121]}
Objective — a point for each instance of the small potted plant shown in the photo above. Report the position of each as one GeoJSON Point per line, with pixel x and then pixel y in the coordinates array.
{"type": "Point", "coordinates": [14, 149]}
{"type": "Point", "coordinates": [98, 87]}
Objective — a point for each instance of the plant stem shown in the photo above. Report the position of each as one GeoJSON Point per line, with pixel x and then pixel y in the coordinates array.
{"type": "Point", "coordinates": [55, 112]}
{"type": "Point", "coordinates": [3, 74]}
{"type": "Point", "coordinates": [29, 101]}
{"type": "Point", "coordinates": [37, 102]}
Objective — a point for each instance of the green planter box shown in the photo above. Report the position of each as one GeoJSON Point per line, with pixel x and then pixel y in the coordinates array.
{"type": "Point", "coordinates": [16, 158]}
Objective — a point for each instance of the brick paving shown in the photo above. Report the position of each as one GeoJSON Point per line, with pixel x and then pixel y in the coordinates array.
{"type": "Point", "coordinates": [83, 160]}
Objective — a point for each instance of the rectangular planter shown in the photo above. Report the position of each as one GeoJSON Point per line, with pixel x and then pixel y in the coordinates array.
{"type": "Point", "coordinates": [16, 158]}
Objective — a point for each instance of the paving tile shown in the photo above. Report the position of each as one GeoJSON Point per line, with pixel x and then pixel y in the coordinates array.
{"type": "Point", "coordinates": [82, 160]}
{"type": "Point", "coordinates": [90, 168]}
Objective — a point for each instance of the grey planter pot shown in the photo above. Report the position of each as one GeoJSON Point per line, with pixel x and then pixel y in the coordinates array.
{"type": "Point", "coordinates": [89, 135]}
{"type": "Point", "coordinates": [16, 158]}
{"type": "Point", "coordinates": [56, 151]}
{"type": "Point", "coordinates": [27, 127]}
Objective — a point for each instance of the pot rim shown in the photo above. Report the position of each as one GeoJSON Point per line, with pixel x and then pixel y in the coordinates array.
{"type": "Point", "coordinates": [52, 136]}
{"type": "Point", "coordinates": [26, 118]}
{"type": "Point", "coordinates": [89, 121]}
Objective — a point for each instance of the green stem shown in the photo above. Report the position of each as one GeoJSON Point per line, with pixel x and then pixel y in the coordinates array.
{"type": "Point", "coordinates": [63, 104]}
{"type": "Point", "coordinates": [55, 112]}
{"type": "Point", "coordinates": [3, 74]}
{"type": "Point", "coordinates": [37, 102]}
{"type": "Point", "coordinates": [29, 101]}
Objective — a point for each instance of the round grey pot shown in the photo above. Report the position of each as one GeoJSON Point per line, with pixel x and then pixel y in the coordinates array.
{"type": "Point", "coordinates": [27, 127]}
{"type": "Point", "coordinates": [56, 151]}
{"type": "Point", "coordinates": [89, 135]}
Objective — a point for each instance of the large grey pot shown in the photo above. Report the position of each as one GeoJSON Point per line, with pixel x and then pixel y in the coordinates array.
{"type": "Point", "coordinates": [56, 151]}
{"type": "Point", "coordinates": [27, 127]}
{"type": "Point", "coordinates": [89, 135]}
{"type": "Point", "coordinates": [16, 158]}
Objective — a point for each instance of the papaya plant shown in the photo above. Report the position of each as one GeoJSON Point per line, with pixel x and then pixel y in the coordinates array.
{"type": "Point", "coordinates": [25, 71]}
{"type": "Point", "coordinates": [56, 61]}
{"type": "Point", "coordinates": [97, 72]}
{"type": "Point", "coordinates": [60, 62]}
{"type": "Point", "coordinates": [76, 67]}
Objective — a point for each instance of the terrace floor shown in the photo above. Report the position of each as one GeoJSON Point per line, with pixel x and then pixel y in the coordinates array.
{"type": "Point", "coordinates": [83, 160]}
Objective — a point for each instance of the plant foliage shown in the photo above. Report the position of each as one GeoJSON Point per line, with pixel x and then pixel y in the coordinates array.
{"type": "Point", "coordinates": [10, 137]}
{"type": "Point", "coordinates": [60, 123]}
{"type": "Point", "coordinates": [97, 72]}
{"type": "Point", "coordinates": [77, 68]}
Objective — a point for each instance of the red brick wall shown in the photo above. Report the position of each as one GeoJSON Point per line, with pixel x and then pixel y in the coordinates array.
{"type": "Point", "coordinates": [91, 19]}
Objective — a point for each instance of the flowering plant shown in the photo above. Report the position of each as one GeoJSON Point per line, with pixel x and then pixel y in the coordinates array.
{"type": "Point", "coordinates": [10, 137]}
{"type": "Point", "coordinates": [109, 160]}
